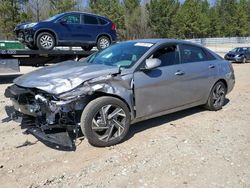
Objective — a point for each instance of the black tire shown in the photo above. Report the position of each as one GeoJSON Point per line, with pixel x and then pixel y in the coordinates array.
{"type": "Point", "coordinates": [45, 41]}
{"type": "Point", "coordinates": [87, 48]}
{"type": "Point", "coordinates": [91, 111]}
{"type": "Point", "coordinates": [32, 47]}
{"type": "Point", "coordinates": [216, 97]}
{"type": "Point", "coordinates": [103, 42]}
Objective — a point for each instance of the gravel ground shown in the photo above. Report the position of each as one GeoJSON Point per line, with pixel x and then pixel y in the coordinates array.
{"type": "Point", "coordinates": [191, 148]}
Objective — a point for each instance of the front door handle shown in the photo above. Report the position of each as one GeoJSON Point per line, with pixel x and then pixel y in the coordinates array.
{"type": "Point", "coordinates": [179, 73]}
{"type": "Point", "coordinates": [211, 66]}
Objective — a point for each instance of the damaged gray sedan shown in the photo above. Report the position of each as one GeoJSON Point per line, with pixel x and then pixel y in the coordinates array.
{"type": "Point", "coordinates": [123, 84]}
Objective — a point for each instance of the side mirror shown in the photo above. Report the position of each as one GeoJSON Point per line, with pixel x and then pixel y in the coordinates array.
{"type": "Point", "coordinates": [63, 22]}
{"type": "Point", "coordinates": [152, 63]}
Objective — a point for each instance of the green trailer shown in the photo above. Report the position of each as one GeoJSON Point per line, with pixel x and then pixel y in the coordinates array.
{"type": "Point", "coordinates": [10, 45]}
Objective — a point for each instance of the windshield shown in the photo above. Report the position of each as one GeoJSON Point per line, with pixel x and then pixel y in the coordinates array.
{"type": "Point", "coordinates": [53, 17]}
{"type": "Point", "coordinates": [123, 54]}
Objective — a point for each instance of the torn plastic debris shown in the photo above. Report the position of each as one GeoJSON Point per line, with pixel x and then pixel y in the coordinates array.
{"type": "Point", "coordinates": [57, 138]}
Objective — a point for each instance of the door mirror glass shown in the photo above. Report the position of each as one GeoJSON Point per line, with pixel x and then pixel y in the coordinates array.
{"type": "Point", "coordinates": [152, 63]}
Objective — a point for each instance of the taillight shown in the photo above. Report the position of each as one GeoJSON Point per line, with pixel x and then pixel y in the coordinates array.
{"type": "Point", "coordinates": [113, 27]}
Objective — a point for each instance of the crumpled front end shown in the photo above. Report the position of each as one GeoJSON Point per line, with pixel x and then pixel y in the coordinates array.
{"type": "Point", "coordinates": [49, 109]}
{"type": "Point", "coordinates": [48, 112]}
{"type": "Point", "coordinates": [25, 32]}
{"type": "Point", "coordinates": [63, 111]}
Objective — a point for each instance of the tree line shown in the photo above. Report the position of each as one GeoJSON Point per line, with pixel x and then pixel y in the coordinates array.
{"type": "Point", "coordinates": [140, 18]}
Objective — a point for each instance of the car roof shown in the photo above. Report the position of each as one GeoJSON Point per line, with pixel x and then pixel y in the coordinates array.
{"type": "Point", "coordinates": [79, 12]}
{"type": "Point", "coordinates": [165, 40]}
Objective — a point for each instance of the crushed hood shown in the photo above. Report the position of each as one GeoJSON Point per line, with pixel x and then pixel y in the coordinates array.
{"type": "Point", "coordinates": [63, 77]}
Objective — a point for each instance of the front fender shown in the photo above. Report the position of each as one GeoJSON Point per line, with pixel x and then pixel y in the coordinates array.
{"type": "Point", "coordinates": [118, 87]}
{"type": "Point", "coordinates": [46, 30]}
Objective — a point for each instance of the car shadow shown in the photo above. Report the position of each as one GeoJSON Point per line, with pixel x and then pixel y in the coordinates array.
{"type": "Point", "coordinates": [161, 120]}
{"type": "Point", "coordinates": [7, 79]}
{"type": "Point", "coordinates": [67, 143]}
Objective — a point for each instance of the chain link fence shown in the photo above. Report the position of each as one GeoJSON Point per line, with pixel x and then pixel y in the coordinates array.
{"type": "Point", "coordinates": [222, 45]}
{"type": "Point", "coordinates": [220, 41]}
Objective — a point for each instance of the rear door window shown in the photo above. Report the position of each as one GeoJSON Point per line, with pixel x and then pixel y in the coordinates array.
{"type": "Point", "coordinates": [190, 53]}
{"type": "Point", "coordinates": [92, 20]}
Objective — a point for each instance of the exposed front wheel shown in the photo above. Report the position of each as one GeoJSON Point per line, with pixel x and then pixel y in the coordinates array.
{"type": "Point", "coordinates": [103, 42]}
{"type": "Point", "coordinates": [217, 97]}
{"type": "Point", "coordinates": [105, 121]}
{"type": "Point", "coordinates": [45, 41]}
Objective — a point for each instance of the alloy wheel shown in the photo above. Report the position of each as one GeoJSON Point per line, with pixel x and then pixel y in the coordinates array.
{"type": "Point", "coordinates": [218, 95]}
{"type": "Point", "coordinates": [109, 123]}
{"type": "Point", "coordinates": [46, 41]}
{"type": "Point", "coordinates": [104, 43]}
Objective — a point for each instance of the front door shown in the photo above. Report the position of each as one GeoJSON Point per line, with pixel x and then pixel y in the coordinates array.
{"type": "Point", "coordinates": [159, 89]}
{"type": "Point", "coordinates": [70, 28]}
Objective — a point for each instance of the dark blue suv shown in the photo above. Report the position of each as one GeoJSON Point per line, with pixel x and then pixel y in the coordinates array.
{"type": "Point", "coordinates": [68, 29]}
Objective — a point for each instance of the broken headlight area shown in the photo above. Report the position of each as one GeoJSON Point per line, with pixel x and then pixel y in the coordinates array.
{"type": "Point", "coordinates": [48, 111]}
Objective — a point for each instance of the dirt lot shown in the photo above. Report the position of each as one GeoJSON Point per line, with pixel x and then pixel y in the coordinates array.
{"type": "Point", "coordinates": [192, 148]}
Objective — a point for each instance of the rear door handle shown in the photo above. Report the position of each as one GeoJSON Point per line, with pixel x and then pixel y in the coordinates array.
{"type": "Point", "coordinates": [211, 66]}
{"type": "Point", "coordinates": [179, 73]}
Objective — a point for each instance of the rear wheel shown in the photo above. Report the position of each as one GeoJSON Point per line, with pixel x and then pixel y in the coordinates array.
{"type": "Point", "coordinates": [217, 97]}
{"type": "Point", "coordinates": [105, 121]}
{"type": "Point", "coordinates": [103, 42]}
{"type": "Point", "coordinates": [45, 41]}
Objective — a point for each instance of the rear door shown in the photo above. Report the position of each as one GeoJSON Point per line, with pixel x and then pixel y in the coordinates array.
{"type": "Point", "coordinates": [198, 71]}
{"type": "Point", "coordinates": [91, 27]}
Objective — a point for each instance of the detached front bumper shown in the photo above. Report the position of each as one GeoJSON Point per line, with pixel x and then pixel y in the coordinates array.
{"type": "Point", "coordinates": [55, 123]}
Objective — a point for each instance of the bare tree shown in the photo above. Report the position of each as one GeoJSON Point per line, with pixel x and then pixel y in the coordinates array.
{"type": "Point", "coordinates": [39, 9]}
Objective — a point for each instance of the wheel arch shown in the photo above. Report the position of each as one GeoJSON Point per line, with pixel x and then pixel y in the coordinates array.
{"type": "Point", "coordinates": [210, 89]}
{"type": "Point", "coordinates": [104, 34]}
{"type": "Point", "coordinates": [47, 31]}
{"type": "Point", "coordinates": [102, 94]}
{"type": "Point", "coordinates": [223, 81]}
